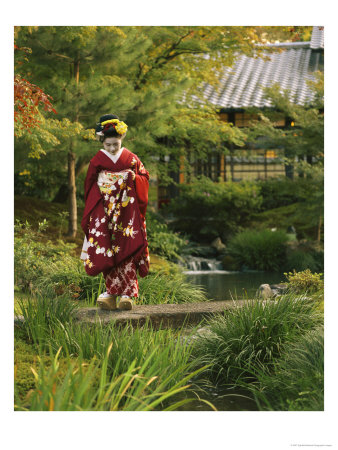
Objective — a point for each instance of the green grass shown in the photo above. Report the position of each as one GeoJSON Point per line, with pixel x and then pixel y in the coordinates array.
{"type": "Point", "coordinates": [48, 269]}
{"type": "Point", "coordinates": [159, 288]}
{"type": "Point", "coordinates": [253, 334]}
{"type": "Point", "coordinates": [89, 386]}
{"type": "Point", "coordinates": [161, 358]}
{"type": "Point", "coordinates": [297, 380]}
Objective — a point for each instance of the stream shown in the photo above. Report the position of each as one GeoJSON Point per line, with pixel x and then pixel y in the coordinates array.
{"type": "Point", "coordinates": [227, 285]}
{"type": "Point", "coordinates": [220, 284]}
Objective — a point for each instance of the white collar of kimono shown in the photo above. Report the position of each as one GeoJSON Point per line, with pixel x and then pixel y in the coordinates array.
{"type": "Point", "coordinates": [115, 157]}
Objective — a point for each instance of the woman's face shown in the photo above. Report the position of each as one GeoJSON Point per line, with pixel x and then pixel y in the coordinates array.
{"type": "Point", "coordinates": [112, 144]}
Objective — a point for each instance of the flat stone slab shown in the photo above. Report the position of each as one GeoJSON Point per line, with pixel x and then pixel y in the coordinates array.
{"type": "Point", "coordinates": [160, 316]}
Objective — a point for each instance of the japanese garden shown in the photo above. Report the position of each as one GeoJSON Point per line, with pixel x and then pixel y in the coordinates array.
{"type": "Point", "coordinates": [227, 125]}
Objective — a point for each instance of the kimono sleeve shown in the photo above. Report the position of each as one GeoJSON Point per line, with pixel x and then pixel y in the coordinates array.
{"type": "Point", "coordinates": [91, 178]}
{"type": "Point", "coordinates": [92, 195]}
{"type": "Point", "coordinates": [141, 185]}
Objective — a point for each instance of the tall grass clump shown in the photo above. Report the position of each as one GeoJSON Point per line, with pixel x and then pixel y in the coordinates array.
{"type": "Point", "coordinates": [129, 344]}
{"type": "Point", "coordinates": [50, 325]}
{"type": "Point", "coordinates": [297, 382]}
{"type": "Point", "coordinates": [159, 288]}
{"type": "Point", "coordinates": [42, 316]}
{"type": "Point", "coordinates": [259, 250]}
{"type": "Point", "coordinates": [87, 385]}
{"type": "Point", "coordinates": [252, 334]}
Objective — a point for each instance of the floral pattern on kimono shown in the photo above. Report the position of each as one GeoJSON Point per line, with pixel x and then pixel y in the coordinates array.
{"type": "Point", "coordinates": [113, 222]}
{"type": "Point", "coordinates": [122, 280]}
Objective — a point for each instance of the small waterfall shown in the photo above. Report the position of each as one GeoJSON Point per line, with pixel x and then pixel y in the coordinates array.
{"type": "Point", "coordinates": [197, 264]}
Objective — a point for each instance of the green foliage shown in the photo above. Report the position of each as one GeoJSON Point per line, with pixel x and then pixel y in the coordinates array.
{"type": "Point", "coordinates": [140, 72]}
{"type": "Point", "coordinates": [42, 316]}
{"type": "Point", "coordinates": [205, 209]}
{"type": "Point", "coordinates": [306, 137]}
{"type": "Point", "coordinates": [43, 266]}
{"type": "Point", "coordinates": [277, 192]}
{"type": "Point", "coordinates": [163, 241]}
{"type": "Point", "coordinates": [305, 281]}
{"type": "Point", "coordinates": [107, 358]}
{"type": "Point", "coordinates": [252, 334]}
{"type": "Point", "coordinates": [297, 214]}
{"type": "Point", "coordinates": [259, 250]}
{"type": "Point", "coordinates": [49, 270]}
{"type": "Point", "coordinates": [303, 145]}
{"type": "Point", "coordinates": [297, 381]}
{"type": "Point", "coordinates": [299, 260]}
{"type": "Point", "coordinates": [159, 288]}
{"type": "Point", "coordinates": [88, 386]}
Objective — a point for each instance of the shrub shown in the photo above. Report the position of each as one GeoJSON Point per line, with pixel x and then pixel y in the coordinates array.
{"type": "Point", "coordinates": [205, 209]}
{"type": "Point", "coordinates": [49, 271]}
{"type": "Point", "coordinates": [283, 191]}
{"type": "Point", "coordinates": [299, 260]}
{"type": "Point", "coordinates": [36, 258]}
{"type": "Point", "coordinates": [163, 241]}
{"type": "Point", "coordinates": [252, 334]}
{"type": "Point", "coordinates": [304, 282]}
{"type": "Point", "coordinates": [260, 250]}
{"type": "Point", "coordinates": [298, 214]}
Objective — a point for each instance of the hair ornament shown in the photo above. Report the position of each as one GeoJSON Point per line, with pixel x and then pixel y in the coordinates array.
{"type": "Point", "coordinates": [120, 127]}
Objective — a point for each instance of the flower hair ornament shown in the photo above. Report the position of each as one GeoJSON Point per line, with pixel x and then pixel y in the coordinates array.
{"type": "Point", "coordinates": [109, 121]}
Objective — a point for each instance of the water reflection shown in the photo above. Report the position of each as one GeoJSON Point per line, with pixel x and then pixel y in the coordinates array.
{"type": "Point", "coordinates": [222, 285]}
{"type": "Point", "coordinates": [234, 401]}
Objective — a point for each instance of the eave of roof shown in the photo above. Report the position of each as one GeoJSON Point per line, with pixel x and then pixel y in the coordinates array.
{"type": "Point", "coordinates": [242, 85]}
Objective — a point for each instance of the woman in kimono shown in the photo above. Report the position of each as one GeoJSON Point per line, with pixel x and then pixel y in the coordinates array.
{"type": "Point", "coordinates": [116, 197]}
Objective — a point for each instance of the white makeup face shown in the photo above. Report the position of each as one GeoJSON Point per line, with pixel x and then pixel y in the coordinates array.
{"type": "Point", "coordinates": [112, 144]}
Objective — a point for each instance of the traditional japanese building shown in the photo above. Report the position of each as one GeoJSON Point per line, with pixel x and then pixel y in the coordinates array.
{"type": "Point", "coordinates": [241, 87]}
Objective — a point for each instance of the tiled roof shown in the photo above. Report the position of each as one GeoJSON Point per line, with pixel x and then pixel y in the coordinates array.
{"type": "Point", "coordinates": [242, 85]}
{"type": "Point", "coordinates": [317, 38]}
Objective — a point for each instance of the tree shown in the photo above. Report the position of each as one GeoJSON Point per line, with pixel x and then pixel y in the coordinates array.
{"type": "Point", "coordinates": [302, 140]}
{"type": "Point", "coordinates": [27, 100]}
{"type": "Point", "coordinates": [152, 77]}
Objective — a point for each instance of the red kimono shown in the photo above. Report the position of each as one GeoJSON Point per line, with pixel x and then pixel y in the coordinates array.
{"type": "Point", "coordinates": [114, 221]}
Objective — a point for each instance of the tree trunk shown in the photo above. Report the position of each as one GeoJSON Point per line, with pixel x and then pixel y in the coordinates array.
{"type": "Point", "coordinates": [77, 71]}
{"type": "Point", "coordinates": [319, 229]}
{"type": "Point", "coordinates": [72, 205]}
{"type": "Point", "coordinates": [72, 225]}
{"type": "Point", "coordinates": [62, 194]}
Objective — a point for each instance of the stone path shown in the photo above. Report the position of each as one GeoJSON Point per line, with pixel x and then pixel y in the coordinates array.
{"type": "Point", "coordinates": [159, 315]}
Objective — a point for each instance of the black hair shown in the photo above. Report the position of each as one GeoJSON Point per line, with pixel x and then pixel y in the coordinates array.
{"type": "Point", "coordinates": [110, 130]}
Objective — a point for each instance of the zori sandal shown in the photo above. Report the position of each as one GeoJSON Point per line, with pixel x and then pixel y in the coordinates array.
{"type": "Point", "coordinates": [107, 301]}
{"type": "Point", "coordinates": [126, 303]}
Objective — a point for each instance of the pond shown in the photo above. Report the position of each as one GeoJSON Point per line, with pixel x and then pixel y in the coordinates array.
{"type": "Point", "coordinates": [223, 285]}
{"type": "Point", "coordinates": [221, 399]}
